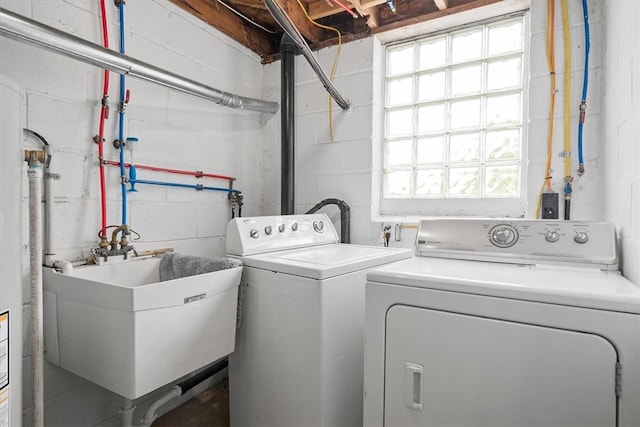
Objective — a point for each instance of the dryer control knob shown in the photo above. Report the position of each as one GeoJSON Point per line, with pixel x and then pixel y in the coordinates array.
{"type": "Point", "coordinates": [581, 237]}
{"type": "Point", "coordinates": [318, 226]}
{"type": "Point", "coordinates": [268, 230]}
{"type": "Point", "coordinates": [254, 234]}
{"type": "Point", "coordinates": [294, 226]}
{"type": "Point", "coordinates": [551, 236]}
{"type": "Point", "coordinates": [503, 236]}
{"type": "Point", "coordinates": [281, 228]}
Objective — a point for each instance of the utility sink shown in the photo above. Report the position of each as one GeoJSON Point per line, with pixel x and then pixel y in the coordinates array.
{"type": "Point", "coordinates": [119, 326]}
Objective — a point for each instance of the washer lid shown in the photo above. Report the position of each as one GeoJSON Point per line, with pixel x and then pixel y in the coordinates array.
{"type": "Point", "coordinates": [321, 262]}
{"type": "Point", "coordinates": [578, 287]}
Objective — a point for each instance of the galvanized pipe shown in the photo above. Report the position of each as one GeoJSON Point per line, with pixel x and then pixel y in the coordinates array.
{"type": "Point", "coordinates": [32, 32]}
{"type": "Point", "coordinates": [282, 19]}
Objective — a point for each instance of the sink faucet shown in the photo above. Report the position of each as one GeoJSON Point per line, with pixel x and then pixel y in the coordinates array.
{"type": "Point", "coordinates": [104, 251]}
{"type": "Point", "coordinates": [123, 241]}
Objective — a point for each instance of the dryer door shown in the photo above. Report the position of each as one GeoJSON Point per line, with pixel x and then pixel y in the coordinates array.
{"type": "Point", "coordinates": [448, 369]}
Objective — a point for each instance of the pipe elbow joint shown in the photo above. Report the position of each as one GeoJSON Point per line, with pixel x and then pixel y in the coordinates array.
{"type": "Point", "coordinates": [64, 266]}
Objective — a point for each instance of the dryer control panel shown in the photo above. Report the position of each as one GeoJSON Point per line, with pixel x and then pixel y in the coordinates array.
{"type": "Point", "coordinates": [262, 234]}
{"type": "Point", "coordinates": [581, 243]}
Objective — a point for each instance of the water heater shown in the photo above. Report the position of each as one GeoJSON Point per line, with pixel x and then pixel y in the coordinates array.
{"type": "Point", "coordinates": [11, 169]}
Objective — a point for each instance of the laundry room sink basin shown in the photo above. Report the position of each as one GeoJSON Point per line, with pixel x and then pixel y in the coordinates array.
{"type": "Point", "coordinates": [120, 327]}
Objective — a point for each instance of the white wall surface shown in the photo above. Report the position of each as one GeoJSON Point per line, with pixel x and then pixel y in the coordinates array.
{"type": "Point", "coordinates": [175, 130]}
{"type": "Point", "coordinates": [343, 168]}
{"type": "Point", "coordinates": [621, 106]}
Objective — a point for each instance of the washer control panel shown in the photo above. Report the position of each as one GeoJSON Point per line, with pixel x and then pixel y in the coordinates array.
{"type": "Point", "coordinates": [262, 234]}
{"type": "Point", "coordinates": [581, 243]}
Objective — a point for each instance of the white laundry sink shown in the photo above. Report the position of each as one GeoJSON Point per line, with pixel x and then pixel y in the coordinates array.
{"type": "Point", "coordinates": [119, 326]}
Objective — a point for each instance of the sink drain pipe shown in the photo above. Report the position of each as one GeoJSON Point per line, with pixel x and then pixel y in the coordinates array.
{"type": "Point", "coordinates": [176, 391]}
{"type": "Point", "coordinates": [287, 124]}
{"type": "Point", "coordinates": [345, 216]}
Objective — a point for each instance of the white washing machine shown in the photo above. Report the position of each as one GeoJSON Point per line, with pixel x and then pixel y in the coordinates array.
{"type": "Point", "coordinates": [299, 348]}
{"type": "Point", "coordinates": [504, 323]}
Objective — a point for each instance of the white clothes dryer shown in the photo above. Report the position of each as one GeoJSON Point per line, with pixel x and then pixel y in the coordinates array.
{"type": "Point", "coordinates": [504, 323]}
{"type": "Point", "coordinates": [299, 348]}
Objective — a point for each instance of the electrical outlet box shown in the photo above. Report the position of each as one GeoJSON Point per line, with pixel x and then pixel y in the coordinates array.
{"type": "Point", "coordinates": [550, 205]}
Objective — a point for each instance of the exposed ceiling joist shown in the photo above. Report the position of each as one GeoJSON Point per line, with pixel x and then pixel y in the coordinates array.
{"type": "Point", "coordinates": [259, 32]}
{"type": "Point", "coordinates": [230, 24]}
{"type": "Point", "coordinates": [419, 13]}
{"type": "Point", "coordinates": [321, 9]}
{"type": "Point", "coordinates": [441, 4]}
{"type": "Point", "coordinates": [307, 29]}
{"type": "Point", "coordinates": [369, 12]}
{"type": "Point", "coordinates": [252, 4]}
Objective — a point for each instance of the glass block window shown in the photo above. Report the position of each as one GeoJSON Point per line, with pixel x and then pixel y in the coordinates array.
{"type": "Point", "coordinates": [454, 114]}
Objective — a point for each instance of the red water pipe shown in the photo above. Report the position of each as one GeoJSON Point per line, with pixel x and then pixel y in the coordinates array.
{"type": "Point", "coordinates": [197, 174]}
{"type": "Point", "coordinates": [104, 115]}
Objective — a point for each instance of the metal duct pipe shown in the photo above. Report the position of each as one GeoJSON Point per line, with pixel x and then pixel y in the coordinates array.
{"type": "Point", "coordinates": [287, 124]}
{"type": "Point", "coordinates": [282, 19]}
{"type": "Point", "coordinates": [32, 32]}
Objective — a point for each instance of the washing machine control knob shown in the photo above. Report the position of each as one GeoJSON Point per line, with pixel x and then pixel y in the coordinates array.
{"type": "Point", "coordinates": [551, 236]}
{"type": "Point", "coordinates": [254, 233]}
{"type": "Point", "coordinates": [268, 230]}
{"type": "Point", "coordinates": [294, 226]}
{"type": "Point", "coordinates": [281, 228]}
{"type": "Point", "coordinates": [581, 237]}
{"type": "Point", "coordinates": [318, 226]}
{"type": "Point", "coordinates": [503, 236]}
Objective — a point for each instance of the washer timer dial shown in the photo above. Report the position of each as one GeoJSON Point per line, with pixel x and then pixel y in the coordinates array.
{"type": "Point", "coordinates": [503, 236]}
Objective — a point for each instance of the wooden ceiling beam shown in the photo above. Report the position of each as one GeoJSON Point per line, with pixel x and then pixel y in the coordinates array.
{"type": "Point", "coordinates": [417, 18]}
{"type": "Point", "coordinates": [307, 29]}
{"type": "Point", "coordinates": [230, 24]}
{"type": "Point", "coordinates": [373, 19]}
{"type": "Point", "coordinates": [252, 4]}
{"type": "Point", "coordinates": [441, 4]}
{"type": "Point", "coordinates": [321, 9]}
{"type": "Point", "coordinates": [369, 12]}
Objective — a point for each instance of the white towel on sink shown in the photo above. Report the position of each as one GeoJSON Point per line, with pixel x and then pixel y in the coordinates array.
{"type": "Point", "coordinates": [175, 265]}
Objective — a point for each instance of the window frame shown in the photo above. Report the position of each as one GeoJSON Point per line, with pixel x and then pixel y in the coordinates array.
{"type": "Point", "coordinates": [408, 209]}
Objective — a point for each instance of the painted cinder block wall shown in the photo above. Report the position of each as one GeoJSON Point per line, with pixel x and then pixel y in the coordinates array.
{"type": "Point", "coordinates": [62, 98]}
{"type": "Point", "coordinates": [621, 118]}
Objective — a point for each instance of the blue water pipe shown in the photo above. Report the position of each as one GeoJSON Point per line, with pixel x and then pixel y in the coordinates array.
{"type": "Point", "coordinates": [121, 108]}
{"type": "Point", "coordinates": [177, 184]}
{"type": "Point", "coordinates": [585, 84]}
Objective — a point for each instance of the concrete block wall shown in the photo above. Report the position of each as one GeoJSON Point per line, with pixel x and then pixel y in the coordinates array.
{"type": "Point", "coordinates": [175, 131]}
{"type": "Point", "coordinates": [586, 201]}
{"type": "Point", "coordinates": [621, 107]}
{"type": "Point", "coordinates": [343, 168]}
{"type": "Point", "coordinates": [325, 169]}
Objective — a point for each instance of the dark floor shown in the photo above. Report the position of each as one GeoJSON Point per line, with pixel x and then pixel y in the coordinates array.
{"type": "Point", "coordinates": [210, 408]}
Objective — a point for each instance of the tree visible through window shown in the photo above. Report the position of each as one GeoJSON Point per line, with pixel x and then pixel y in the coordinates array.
{"type": "Point", "coordinates": [454, 114]}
